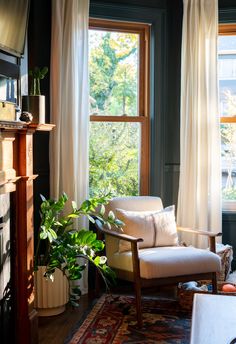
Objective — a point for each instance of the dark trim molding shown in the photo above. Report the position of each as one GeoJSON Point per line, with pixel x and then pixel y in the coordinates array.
{"type": "Point", "coordinates": [9, 69]}
{"type": "Point", "coordinates": [227, 15]}
{"type": "Point", "coordinates": [158, 76]}
{"type": "Point", "coordinates": [229, 216]}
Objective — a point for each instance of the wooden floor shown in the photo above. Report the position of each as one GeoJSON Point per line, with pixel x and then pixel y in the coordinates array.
{"type": "Point", "coordinates": [55, 329]}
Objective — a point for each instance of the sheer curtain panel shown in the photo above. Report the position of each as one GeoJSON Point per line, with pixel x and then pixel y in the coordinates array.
{"type": "Point", "coordinates": [69, 101]}
{"type": "Point", "coordinates": [199, 199]}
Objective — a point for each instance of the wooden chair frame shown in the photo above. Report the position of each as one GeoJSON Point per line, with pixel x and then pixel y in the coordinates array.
{"type": "Point", "coordinates": [139, 282]}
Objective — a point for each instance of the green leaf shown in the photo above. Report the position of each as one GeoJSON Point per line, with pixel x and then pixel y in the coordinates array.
{"type": "Point", "coordinates": [108, 225]}
{"type": "Point", "coordinates": [44, 71]}
{"type": "Point", "coordinates": [97, 260]}
{"type": "Point", "coordinates": [50, 238]}
{"type": "Point", "coordinates": [91, 218]}
{"type": "Point", "coordinates": [74, 216]}
{"type": "Point", "coordinates": [74, 304]}
{"type": "Point", "coordinates": [74, 205]}
{"type": "Point", "coordinates": [43, 198]}
{"type": "Point", "coordinates": [43, 235]}
{"type": "Point", "coordinates": [111, 215]}
{"type": "Point", "coordinates": [76, 290]}
{"type": "Point", "coordinates": [53, 233]}
{"type": "Point", "coordinates": [118, 223]}
{"type": "Point", "coordinates": [102, 210]}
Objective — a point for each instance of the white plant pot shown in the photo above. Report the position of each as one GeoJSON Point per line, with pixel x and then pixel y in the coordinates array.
{"type": "Point", "coordinates": [50, 296]}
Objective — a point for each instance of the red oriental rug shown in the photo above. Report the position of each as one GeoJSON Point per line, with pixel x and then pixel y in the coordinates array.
{"type": "Point", "coordinates": [113, 320]}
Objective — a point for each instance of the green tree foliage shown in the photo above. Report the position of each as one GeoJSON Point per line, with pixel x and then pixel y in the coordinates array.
{"type": "Point", "coordinates": [113, 73]}
{"type": "Point", "coordinates": [114, 147]}
{"type": "Point", "coordinates": [114, 158]}
{"type": "Point", "coordinates": [228, 148]}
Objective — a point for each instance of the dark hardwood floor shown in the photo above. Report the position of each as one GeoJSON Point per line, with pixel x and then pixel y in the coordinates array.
{"type": "Point", "coordinates": [55, 329]}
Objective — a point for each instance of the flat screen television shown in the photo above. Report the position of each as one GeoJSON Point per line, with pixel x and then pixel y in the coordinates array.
{"type": "Point", "coordinates": [13, 26]}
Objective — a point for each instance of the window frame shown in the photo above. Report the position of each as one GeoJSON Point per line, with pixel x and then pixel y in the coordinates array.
{"type": "Point", "coordinates": [143, 30]}
{"type": "Point", "coordinates": [227, 30]}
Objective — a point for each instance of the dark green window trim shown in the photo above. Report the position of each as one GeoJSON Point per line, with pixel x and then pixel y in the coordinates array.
{"type": "Point", "coordinates": [227, 15]}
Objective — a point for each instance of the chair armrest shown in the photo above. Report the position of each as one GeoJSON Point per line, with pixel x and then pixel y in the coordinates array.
{"type": "Point", "coordinates": [134, 247]}
{"type": "Point", "coordinates": [117, 235]}
{"type": "Point", "coordinates": [198, 232]}
{"type": "Point", "coordinates": [211, 236]}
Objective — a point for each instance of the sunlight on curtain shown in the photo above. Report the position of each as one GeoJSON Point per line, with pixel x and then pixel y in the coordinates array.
{"type": "Point", "coordinates": [69, 101]}
{"type": "Point", "coordinates": [199, 199]}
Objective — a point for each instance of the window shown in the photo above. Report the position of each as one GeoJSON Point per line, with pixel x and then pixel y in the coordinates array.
{"type": "Point", "coordinates": [119, 108]}
{"type": "Point", "coordinates": [227, 99]}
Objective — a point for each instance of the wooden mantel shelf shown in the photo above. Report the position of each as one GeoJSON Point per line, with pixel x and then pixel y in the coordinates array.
{"type": "Point", "coordinates": [41, 127]}
{"type": "Point", "coordinates": [17, 125]}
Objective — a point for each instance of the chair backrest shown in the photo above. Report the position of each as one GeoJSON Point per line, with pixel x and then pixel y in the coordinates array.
{"type": "Point", "coordinates": [131, 203]}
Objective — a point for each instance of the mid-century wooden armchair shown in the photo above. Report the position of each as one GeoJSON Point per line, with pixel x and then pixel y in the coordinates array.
{"type": "Point", "coordinates": [155, 266]}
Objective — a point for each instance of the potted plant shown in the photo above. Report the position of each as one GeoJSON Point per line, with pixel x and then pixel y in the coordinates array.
{"type": "Point", "coordinates": [35, 102]}
{"type": "Point", "coordinates": [63, 245]}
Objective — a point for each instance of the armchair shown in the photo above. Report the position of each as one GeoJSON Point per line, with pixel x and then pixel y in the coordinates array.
{"type": "Point", "coordinates": [155, 265]}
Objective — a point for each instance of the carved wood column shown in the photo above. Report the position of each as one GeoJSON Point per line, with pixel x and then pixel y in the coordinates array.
{"type": "Point", "coordinates": [26, 316]}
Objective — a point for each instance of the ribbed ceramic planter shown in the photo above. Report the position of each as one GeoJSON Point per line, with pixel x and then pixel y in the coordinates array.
{"type": "Point", "coordinates": [50, 297]}
{"type": "Point", "coordinates": [36, 106]}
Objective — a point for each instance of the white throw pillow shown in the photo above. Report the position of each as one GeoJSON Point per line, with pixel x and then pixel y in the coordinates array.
{"type": "Point", "coordinates": [139, 224]}
{"type": "Point", "coordinates": [165, 227]}
{"type": "Point", "coordinates": [155, 228]}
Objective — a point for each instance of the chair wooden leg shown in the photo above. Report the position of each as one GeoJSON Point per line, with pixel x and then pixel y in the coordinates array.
{"type": "Point", "coordinates": [137, 287]}
{"type": "Point", "coordinates": [214, 283]}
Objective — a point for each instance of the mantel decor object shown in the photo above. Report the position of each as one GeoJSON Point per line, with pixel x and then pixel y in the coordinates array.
{"type": "Point", "coordinates": [36, 106]}
{"type": "Point", "coordinates": [7, 111]}
{"type": "Point", "coordinates": [35, 102]}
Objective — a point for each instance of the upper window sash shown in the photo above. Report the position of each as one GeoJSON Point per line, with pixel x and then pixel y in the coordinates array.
{"type": "Point", "coordinates": [143, 31]}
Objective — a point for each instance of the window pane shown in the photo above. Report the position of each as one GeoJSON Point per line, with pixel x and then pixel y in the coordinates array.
{"type": "Point", "coordinates": [227, 75]}
{"type": "Point", "coordinates": [114, 158]}
{"type": "Point", "coordinates": [228, 161]}
{"type": "Point", "coordinates": [113, 73]}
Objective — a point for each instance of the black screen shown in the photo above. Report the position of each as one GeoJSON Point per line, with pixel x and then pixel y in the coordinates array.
{"type": "Point", "coordinates": [13, 24]}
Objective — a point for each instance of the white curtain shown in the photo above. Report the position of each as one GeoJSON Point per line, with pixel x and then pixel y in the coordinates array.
{"type": "Point", "coordinates": [199, 199]}
{"type": "Point", "coordinates": [69, 102]}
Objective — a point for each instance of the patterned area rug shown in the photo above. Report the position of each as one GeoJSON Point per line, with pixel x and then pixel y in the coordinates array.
{"type": "Point", "coordinates": [113, 320]}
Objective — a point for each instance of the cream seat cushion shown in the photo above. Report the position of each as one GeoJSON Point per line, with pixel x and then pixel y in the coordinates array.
{"type": "Point", "coordinates": [170, 261]}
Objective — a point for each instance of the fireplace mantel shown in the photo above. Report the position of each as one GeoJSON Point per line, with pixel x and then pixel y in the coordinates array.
{"type": "Point", "coordinates": [16, 179]}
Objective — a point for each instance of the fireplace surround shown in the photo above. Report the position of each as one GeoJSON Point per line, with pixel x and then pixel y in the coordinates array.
{"type": "Point", "coordinates": [16, 231]}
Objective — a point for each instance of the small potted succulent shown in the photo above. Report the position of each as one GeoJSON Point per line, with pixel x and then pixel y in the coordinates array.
{"type": "Point", "coordinates": [35, 102]}
{"type": "Point", "coordinates": [60, 247]}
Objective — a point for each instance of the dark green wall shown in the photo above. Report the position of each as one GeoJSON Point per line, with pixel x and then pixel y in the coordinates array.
{"type": "Point", "coordinates": [39, 40]}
